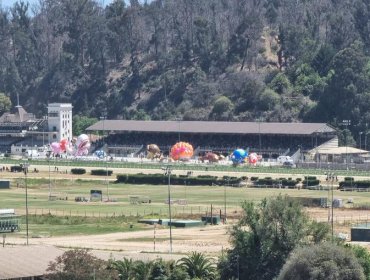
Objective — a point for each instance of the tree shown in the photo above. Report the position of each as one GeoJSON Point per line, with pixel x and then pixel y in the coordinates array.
{"type": "Point", "coordinates": [363, 256]}
{"type": "Point", "coordinates": [197, 265]}
{"type": "Point", "coordinates": [280, 83]}
{"type": "Point", "coordinates": [325, 261]}
{"type": "Point", "coordinates": [265, 236]}
{"type": "Point", "coordinates": [268, 99]}
{"type": "Point", "coordinates": [222, 108]}
{"type": "Point", "coordinates": [79, 265]}
{"type": "Point", "coordinates": [5, 103]}
{"type": "Point", "coordinates": [80, 123]}
{"type": "Point", "coordinates": [125, 269]}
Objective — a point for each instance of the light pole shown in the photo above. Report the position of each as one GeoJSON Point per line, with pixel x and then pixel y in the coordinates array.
{"type": "Point", "coordinates": [360, 134]}
{"type": "Point", "coordinates": [49, 155]}
{"type": "Point", "coordinates": [330, 177]}
{"type": "Point", "coordinates": [106, 177]}
{"type": "Point", "coordinates": [168, 170]}
{"type": "Point", "coordinates": [103, 118]}
{"type": "Point", "coordinates": [178, 127]}
{"type": "Point", "coordinates": [365, 144]}
{"type": "Point", "coordinates": [25, 170]}
{"type": "Point", "coordinates": [228, 182]}
{"type": "Point", "coordinates": [346, 123]}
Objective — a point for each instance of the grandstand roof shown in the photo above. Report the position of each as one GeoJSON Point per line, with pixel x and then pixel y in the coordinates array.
{"type": "Point", "coordinates": [212, 127]}
{"type": "Point", "coordinates": [18, 114]}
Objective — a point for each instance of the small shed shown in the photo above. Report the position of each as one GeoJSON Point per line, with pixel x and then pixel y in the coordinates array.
{"type": "Point", "coordinates": [361, 232]}
{"type": "Point", "coordinates": [4, 184]}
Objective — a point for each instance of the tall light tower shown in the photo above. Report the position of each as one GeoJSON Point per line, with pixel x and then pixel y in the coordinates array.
{"type": "Point", "coordinates": [168, 171]}
{"type": "Point", "coordinates": [330, 177]}
{"type": "Point", "coordinates": [346, 123]}
{"type": "Point", "coordinates": [25, 171]}
{"type": "Point", "coordinates": [103, 118]}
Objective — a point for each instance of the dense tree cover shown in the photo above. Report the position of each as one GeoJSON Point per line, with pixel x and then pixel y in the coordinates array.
{"type": "Point", "coordinates": [265, 236]}
{"type": "Point", "coordinates": [80, 123]}
{"type": "Point", "coordinates": [322, 262]}
{"type": "Point", "coordinates": [5, 103]}
{"type": "Point", "coordinates": [363, 256]}
{"type": "Point", "coordinates": [81, 264]}
{"type": "Point", "coordinates": [275, 60]}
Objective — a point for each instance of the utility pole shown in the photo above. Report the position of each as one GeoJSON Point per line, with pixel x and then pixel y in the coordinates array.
{"type": "Point", "coordinates": [346, 123]}
{"type": "Point", "coordinates": [168, 171]}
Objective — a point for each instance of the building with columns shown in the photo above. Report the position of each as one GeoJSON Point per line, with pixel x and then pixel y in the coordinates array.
{"type": "Point", "coordinates": [59, 121]}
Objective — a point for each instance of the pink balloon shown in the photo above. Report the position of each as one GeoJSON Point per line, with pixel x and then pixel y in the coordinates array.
{"type": "Point", "coordinates": [253, 158]}
{"type": "Point", "coordinates": [82, 145]}
{"type": "Point", "coordinates": [55, 148]}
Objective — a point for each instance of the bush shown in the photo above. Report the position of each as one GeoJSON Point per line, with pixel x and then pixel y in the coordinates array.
{"type": "Point", "coordinates": [16, 168]}
{"type": "Point", "coordinates": [160, 179]}
{"type": "Point", "coordinates": [101, 172]}
{"type": "Point", "coordinates": [310, 183]}
{"type": "Point", "coordinates": [268, 181]}
{"type": "Point", "coordinates": [354, 184]}
{"type": "Point", "coordinates": [254, 178]}
{"type": "Point", "coordinates": [348, 179]}
{"type": "Point", "coordinates": [78, 171]}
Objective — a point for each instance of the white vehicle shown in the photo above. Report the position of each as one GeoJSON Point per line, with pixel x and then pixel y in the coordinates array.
{"type": "Point", "coordinates": [32, 154]}
{"type": "Point", "coordinates": [282, 159]}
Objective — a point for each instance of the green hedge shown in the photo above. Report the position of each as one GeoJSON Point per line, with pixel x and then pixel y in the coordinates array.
{"type": "Point", "coordinates": [354, 184]}
{"type": "Point", "coordinates": [348, 179]}
{"type": "Point", "coordinates": [311, 182]}
{"type": "Point", "coordinates": [78, 171]}
{"type": "Point", "coordinates": [161, 179]}
{"type": "Point", "coordinates": [268, 181]}
{"type": "Point", "coordinates": [16, 168]}
{"type": "Point", "coordinates": [101, 172]}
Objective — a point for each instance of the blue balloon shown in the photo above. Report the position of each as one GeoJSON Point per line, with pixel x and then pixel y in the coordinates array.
{"type": "Point", "coordinates": [239, 156]}
{"type": "Point", "coordinates": [100, 154]}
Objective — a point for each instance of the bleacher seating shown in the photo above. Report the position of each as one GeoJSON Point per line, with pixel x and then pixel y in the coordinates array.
{"type": "Point", "coordinates": [271, 145]}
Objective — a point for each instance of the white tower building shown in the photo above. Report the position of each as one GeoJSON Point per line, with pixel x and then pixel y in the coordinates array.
{"type": "Point", "coordinates": [60, 121]}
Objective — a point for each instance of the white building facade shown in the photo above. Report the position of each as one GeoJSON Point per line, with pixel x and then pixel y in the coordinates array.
{"type": "Point", "coordinates": [60, 121]}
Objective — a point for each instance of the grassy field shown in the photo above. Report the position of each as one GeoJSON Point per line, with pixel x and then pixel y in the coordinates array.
{"type": "Point", "coordinates": [70, 217]}
{"type": "Point", "coordinates": [65, 216]}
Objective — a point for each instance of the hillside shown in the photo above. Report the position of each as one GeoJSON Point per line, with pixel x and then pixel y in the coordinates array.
{"type": "Point", "coordinates": [269, 60]}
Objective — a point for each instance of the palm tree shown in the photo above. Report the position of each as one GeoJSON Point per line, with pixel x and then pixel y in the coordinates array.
{"type": "Point", "coordinates": [142, 270]}
{"type": "Point", "coordinates": [125, 269]}
{"type": "Point", "coordinates": [197, 265]}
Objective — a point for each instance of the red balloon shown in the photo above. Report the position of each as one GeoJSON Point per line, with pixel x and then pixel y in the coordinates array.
{"type": "Point", "coordinates": [181, 150]}
{"type": "Point", "coordinates": [63, 144]}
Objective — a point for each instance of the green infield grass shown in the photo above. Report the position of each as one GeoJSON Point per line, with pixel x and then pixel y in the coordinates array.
{"type": "Point", "coordinates": [65, 216]}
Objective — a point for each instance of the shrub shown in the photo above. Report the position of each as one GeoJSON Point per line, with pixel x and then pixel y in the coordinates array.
{"type": "Point", "coordinates": [78, 171]}
{"type": "Point", "coordinates": [160, 179]}
{"type": "Point", "coordinates": [16, 168]}
{"type": "Point", "coordinates": [101, 172]}
{"type": "Point", "coordinates": [308, 183]}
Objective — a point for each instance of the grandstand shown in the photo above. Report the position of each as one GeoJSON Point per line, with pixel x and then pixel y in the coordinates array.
{"type": "Point", "coordinates": [268, 139]}
{"type": "Point", "coordinates": [19, 126]}
{"type": "Point", "coordinates": [21, 131]}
